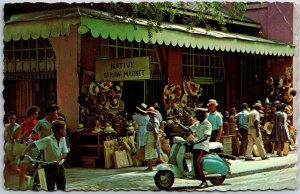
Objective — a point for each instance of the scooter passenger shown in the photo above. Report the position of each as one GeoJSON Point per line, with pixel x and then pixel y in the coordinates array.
{"type": "Point", "coordinates": [202, 129]}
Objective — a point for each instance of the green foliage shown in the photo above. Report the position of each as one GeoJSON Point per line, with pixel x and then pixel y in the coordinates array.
{"type": "Point", "coordinates": [204, 14]}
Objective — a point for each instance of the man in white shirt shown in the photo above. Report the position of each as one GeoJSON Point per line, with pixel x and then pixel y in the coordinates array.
{"type": "Point", "coordinates": [202, 129]}
{"type": "Point", "coordinates": [55, 149]}
{"type": "Point", "coordinates": [254, 134]}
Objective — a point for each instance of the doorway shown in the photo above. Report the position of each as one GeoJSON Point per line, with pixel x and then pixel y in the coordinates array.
{"type": "Point", "coordinates": [133, 94]}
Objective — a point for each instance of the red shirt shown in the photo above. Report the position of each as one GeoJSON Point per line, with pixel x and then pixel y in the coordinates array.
{"type": "Point", "coordinates": [28, 126]}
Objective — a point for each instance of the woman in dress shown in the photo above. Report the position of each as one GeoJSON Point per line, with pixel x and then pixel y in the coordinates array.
{"type": "Point", "coordinates": [151, 138]}
{"type": "Point", "coordinates": [141, 119]}
{"type": "Point", "coordinates": [24, 133]}
{"type": "Point", "coordinates": [279, 135]}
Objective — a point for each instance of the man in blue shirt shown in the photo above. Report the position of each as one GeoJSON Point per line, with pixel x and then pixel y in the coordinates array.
{"type": "Point", "coordinates": [242, 123]}
{"type": "Point", "coordinates": [216, 121]}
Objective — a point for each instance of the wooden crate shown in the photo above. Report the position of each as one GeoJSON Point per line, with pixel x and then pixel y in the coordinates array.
{"type": "Point", "coordinates": [88, 162]}
{"type": "Point", "coordinates": [226, 140]}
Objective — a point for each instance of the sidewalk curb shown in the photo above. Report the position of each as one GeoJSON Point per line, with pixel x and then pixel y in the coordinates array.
{"type": "Point", "coordinates": [249, 172]}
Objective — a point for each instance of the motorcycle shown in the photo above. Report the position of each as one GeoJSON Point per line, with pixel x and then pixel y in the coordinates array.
{"type": "Point", "coordinates": [215, 165]}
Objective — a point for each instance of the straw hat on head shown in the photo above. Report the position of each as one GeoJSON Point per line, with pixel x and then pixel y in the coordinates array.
{"type": "Point", "coordinates": [151, 110]}
{"type": "Point", "coordinates": [212, 102]}
{"type": "Point", "coordinates": [142, 107]}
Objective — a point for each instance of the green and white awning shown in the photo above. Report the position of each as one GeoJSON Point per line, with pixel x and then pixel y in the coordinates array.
{"type": "Point", "coordinates": [101, 24]}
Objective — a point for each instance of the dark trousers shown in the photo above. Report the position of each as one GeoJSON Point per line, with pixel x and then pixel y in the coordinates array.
{"type": "Point", "coordinates": [214, 135]}
{"type": "Point", "coordinates": [244, 141]}
{"type": "Point", "coordinates": [197, 155]}
{"type": "Point", "coordinates": [55, 174]}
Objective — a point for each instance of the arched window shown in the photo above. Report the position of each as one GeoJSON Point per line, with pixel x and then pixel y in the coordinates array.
{"type": "Point", "coordinates": [29, 59]}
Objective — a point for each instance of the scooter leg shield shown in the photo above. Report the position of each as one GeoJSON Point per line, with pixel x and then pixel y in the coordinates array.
{"type": "Point", "coordinates": [180, 158]}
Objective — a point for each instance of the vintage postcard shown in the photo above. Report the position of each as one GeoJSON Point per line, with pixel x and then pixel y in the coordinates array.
{"type": "Point", "coordinates": [150, 96]}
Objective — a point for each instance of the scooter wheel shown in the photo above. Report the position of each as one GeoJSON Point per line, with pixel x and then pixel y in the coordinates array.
{"type": "Point", "coordinates": [217, 180]}
{"type": "Point", "coordinates": [164, 179]}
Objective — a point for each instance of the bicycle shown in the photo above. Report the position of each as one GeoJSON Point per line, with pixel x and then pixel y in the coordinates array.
{"type": "Point", "coordinates": [37, 174]}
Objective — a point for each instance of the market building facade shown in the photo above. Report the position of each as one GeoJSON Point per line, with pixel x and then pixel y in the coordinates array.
{"type": "Point", "coordinates": [54, 56]}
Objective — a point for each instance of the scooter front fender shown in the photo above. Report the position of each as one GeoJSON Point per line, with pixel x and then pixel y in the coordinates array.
{"type": "Point", "coordinates": [170, 167]}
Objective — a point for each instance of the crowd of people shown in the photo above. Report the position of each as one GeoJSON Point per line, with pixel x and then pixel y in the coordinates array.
{"type": "Point", "coordinates": [269, 128]}
{"type": "Point", "coordinates": [42, 139]}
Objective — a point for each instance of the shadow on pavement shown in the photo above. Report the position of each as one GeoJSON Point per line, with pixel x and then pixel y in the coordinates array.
{"type": "Point", "coordinates": [184, 188]}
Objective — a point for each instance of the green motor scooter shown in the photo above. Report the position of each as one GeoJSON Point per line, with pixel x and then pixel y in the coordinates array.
{"type": "Point", "coordinates": [215, 165]}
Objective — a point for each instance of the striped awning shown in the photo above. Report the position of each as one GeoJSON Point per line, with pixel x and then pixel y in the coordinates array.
{"type": "Point", "coordinates": [101, 24]}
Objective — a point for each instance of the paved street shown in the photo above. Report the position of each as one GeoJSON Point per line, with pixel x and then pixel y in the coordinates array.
{"type": "Point", "coordinates": [139, 180]}
{"type": "Point", "coordinates": [276, 173]}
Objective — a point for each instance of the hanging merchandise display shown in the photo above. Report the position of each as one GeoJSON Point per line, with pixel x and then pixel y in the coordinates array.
{"type": "Point", "coordinates": [101, 108]}
{"type": "Point", "coordinates": [181, 100]}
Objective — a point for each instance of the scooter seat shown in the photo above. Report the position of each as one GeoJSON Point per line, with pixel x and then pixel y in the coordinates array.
{"type": "Point", "coordinates": [215, 146]}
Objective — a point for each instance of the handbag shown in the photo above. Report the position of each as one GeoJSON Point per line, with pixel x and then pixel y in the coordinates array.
{"type": "Point", "coordinates": [124, 144]}
{"type": "Point", "coordinates": [120, 158]}
{"type": "Point", "coordinates": [18, 149]}
{"type": "Point", "coordinates": [129, 156]}
{"type": "Point", "coordinates": [141, 154]}
{"type": "Point", "coordinates": [109, 148]}
{"type": "Point", "coordinates": [42, 179]}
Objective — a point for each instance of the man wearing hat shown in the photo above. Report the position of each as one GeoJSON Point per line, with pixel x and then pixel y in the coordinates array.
{"type": "Point", "coordinates": [216, 121]}
{"type": "Point", "coordinates": [242, 123]}
{"type": "Point", "coordinates": [254, 134]}
{"type": "Point", "coordinates": [203, 129]}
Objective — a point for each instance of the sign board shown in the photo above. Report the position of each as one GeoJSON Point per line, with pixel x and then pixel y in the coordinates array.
{"type": "Point", "coordinates": [137, 68]}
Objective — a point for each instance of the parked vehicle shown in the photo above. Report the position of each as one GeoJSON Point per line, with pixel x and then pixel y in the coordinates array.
{"type": "Point", "coordinates": [215, 165]}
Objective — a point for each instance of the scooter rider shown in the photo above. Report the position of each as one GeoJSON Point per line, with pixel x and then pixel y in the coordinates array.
{"type": "Point", "coordinates": [203, 129]}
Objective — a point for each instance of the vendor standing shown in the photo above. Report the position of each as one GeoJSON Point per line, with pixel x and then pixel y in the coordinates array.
{"type": "Point", "coordinates": [216, 121]}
